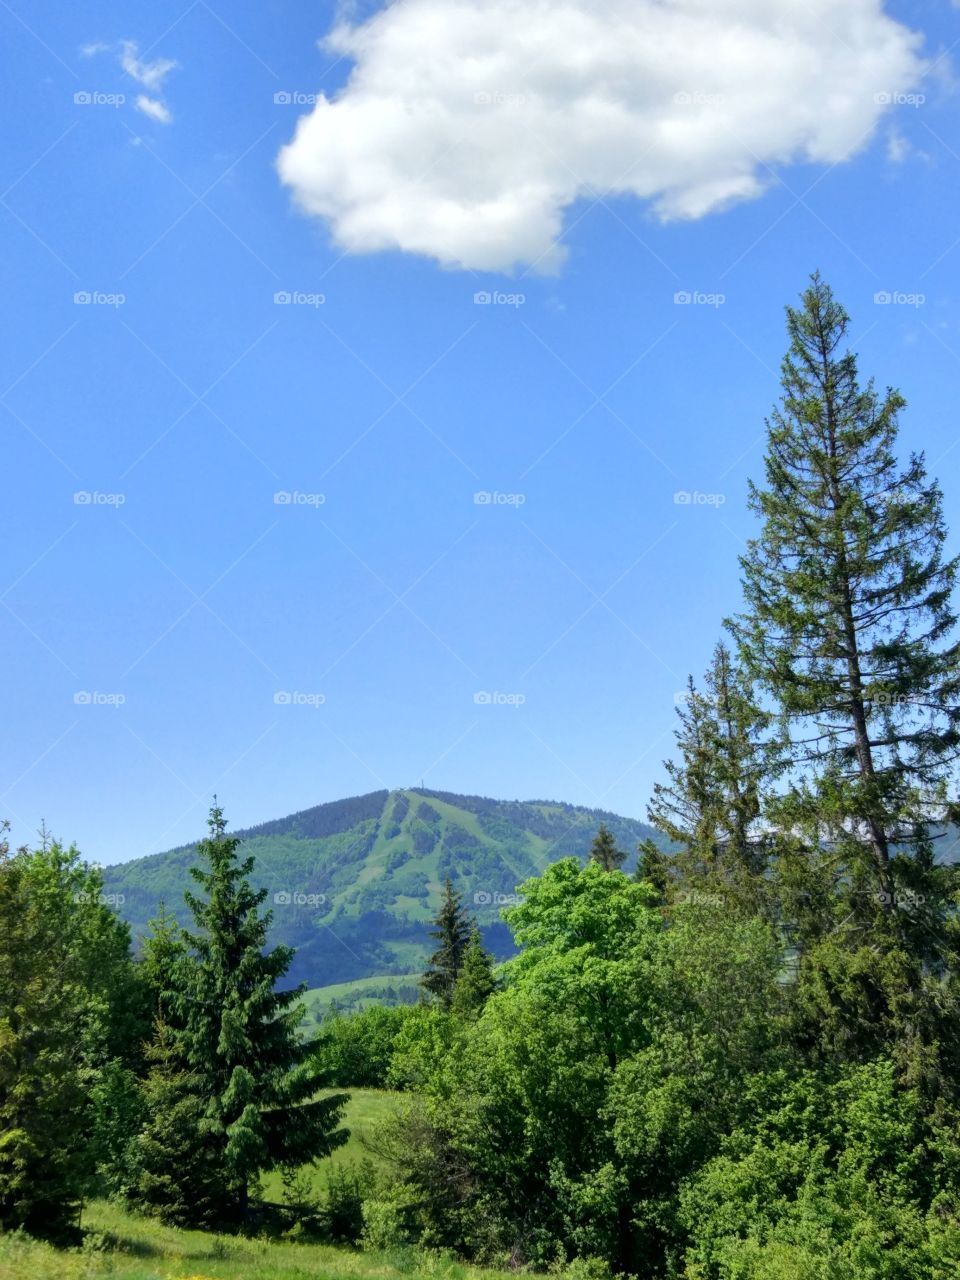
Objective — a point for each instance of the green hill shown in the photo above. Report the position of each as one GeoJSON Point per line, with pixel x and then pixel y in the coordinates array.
{"type": "Point", "coordinates": [353, 884]}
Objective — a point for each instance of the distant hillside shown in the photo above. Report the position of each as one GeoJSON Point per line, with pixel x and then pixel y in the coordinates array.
{"type": "Point", "coordinates": [353, 884]}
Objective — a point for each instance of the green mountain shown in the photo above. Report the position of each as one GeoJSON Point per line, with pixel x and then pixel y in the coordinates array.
{"type": "Point", "coordinates": [354, 883]}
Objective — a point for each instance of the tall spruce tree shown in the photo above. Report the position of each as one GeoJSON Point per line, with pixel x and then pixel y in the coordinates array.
{"type": "Point", "coordinates": [451, 932]}
{"type": "Point", "coordinates": [848, 629]}
{"type": "Point", "coordinates": [604, 851]}
{"type": "Point", "coordinates": [229, 1054]}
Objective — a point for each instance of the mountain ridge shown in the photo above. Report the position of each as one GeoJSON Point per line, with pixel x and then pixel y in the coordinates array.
{"type": "Point", "coordinates": [353, 883]}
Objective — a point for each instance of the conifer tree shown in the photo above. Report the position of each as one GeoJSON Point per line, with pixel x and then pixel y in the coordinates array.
{"type": "Point", "coordinates": [848, 616]}
{"type": "Point", "coordinates": [710, 804]}
{"type": "Point", "coordinates": [233, 1045]}
{"type": "Point", "coordinates": [162, 950]}
{"type": "Point", "coordinates": [475, 982]}
{"type": "Point", "coordinates": [452, 933]}
{"type": "Point", "coordinates": [847, 628]}
{"type": "Point", "coordinates": [176, 1158]}
{"type": "Point", "coordinates": [604, 851]}
{"type": "Point", "coordinates": [654, 867]}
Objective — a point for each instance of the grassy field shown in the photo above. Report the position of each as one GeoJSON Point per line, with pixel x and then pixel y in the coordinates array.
{"type": "Point", "coordinates": [365, 1108]}
{"type": "Point", "coordinates": [144, 1250]}
{"type": "Point", "coordinates": [355, 994]}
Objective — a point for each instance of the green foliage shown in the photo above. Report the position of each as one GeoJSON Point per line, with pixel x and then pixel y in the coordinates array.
{"type": "Point", "coordinates": [476, 982]}
{"type": "Point", "coordinates": [850, 1176]}
{"type": "Point", "coordinates": [378, 889]}
{"type": "Point", "coordinates": [710, 805]}
{"type": "Point", "coordinates": [42, 1021]}
{"type": "Point", "coordinates": [70, 1018]}
{"type": "Point", "coordinates": [346, 1191]}
{"type": "Point", "coordinates": [848, 629]}
{"type": "Point", "coordinates": [357, 1049]}
{"type": "Point", "coordinates": [117, 1112]}
{"type": "Point", "coordinates": [177, 1175]}
{"type": "Point", "coordinates": [604, 851]}
{"type": "Point", "coordinates": [227, 1060]}
{"type": "Point", "coordinates": [452, 933]}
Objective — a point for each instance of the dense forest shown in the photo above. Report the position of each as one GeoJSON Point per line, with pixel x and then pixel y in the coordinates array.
{"type": "Point", "coordinates": [737, 1060]}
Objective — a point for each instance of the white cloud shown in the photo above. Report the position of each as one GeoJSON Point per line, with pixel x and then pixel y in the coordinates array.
{"type": "Point", "coordinates": [898, 148]}
{"type": "Point", "coordinates": [150, 74]}
{"type": "Point", "coordinates": [153, 108]}
{"type": "Point", "coordinates": [468, 127]}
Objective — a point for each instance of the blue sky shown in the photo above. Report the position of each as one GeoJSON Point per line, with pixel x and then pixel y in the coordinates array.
{"type": "Point", "coordinates": [182, 632]}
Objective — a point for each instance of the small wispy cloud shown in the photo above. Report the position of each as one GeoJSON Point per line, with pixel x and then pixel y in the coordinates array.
{"type": "Point", "coordinates": [898, 148]}
{"type": "Point", "coordinates": [150, 74]}
{"type": "Point", "coordinates": [147, 72]}
{"type": "Point", "coordinates": [153, 108]}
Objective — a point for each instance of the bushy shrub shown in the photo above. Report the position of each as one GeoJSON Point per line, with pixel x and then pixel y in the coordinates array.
{"type": "Point", "coordinates": [356, 1049]}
